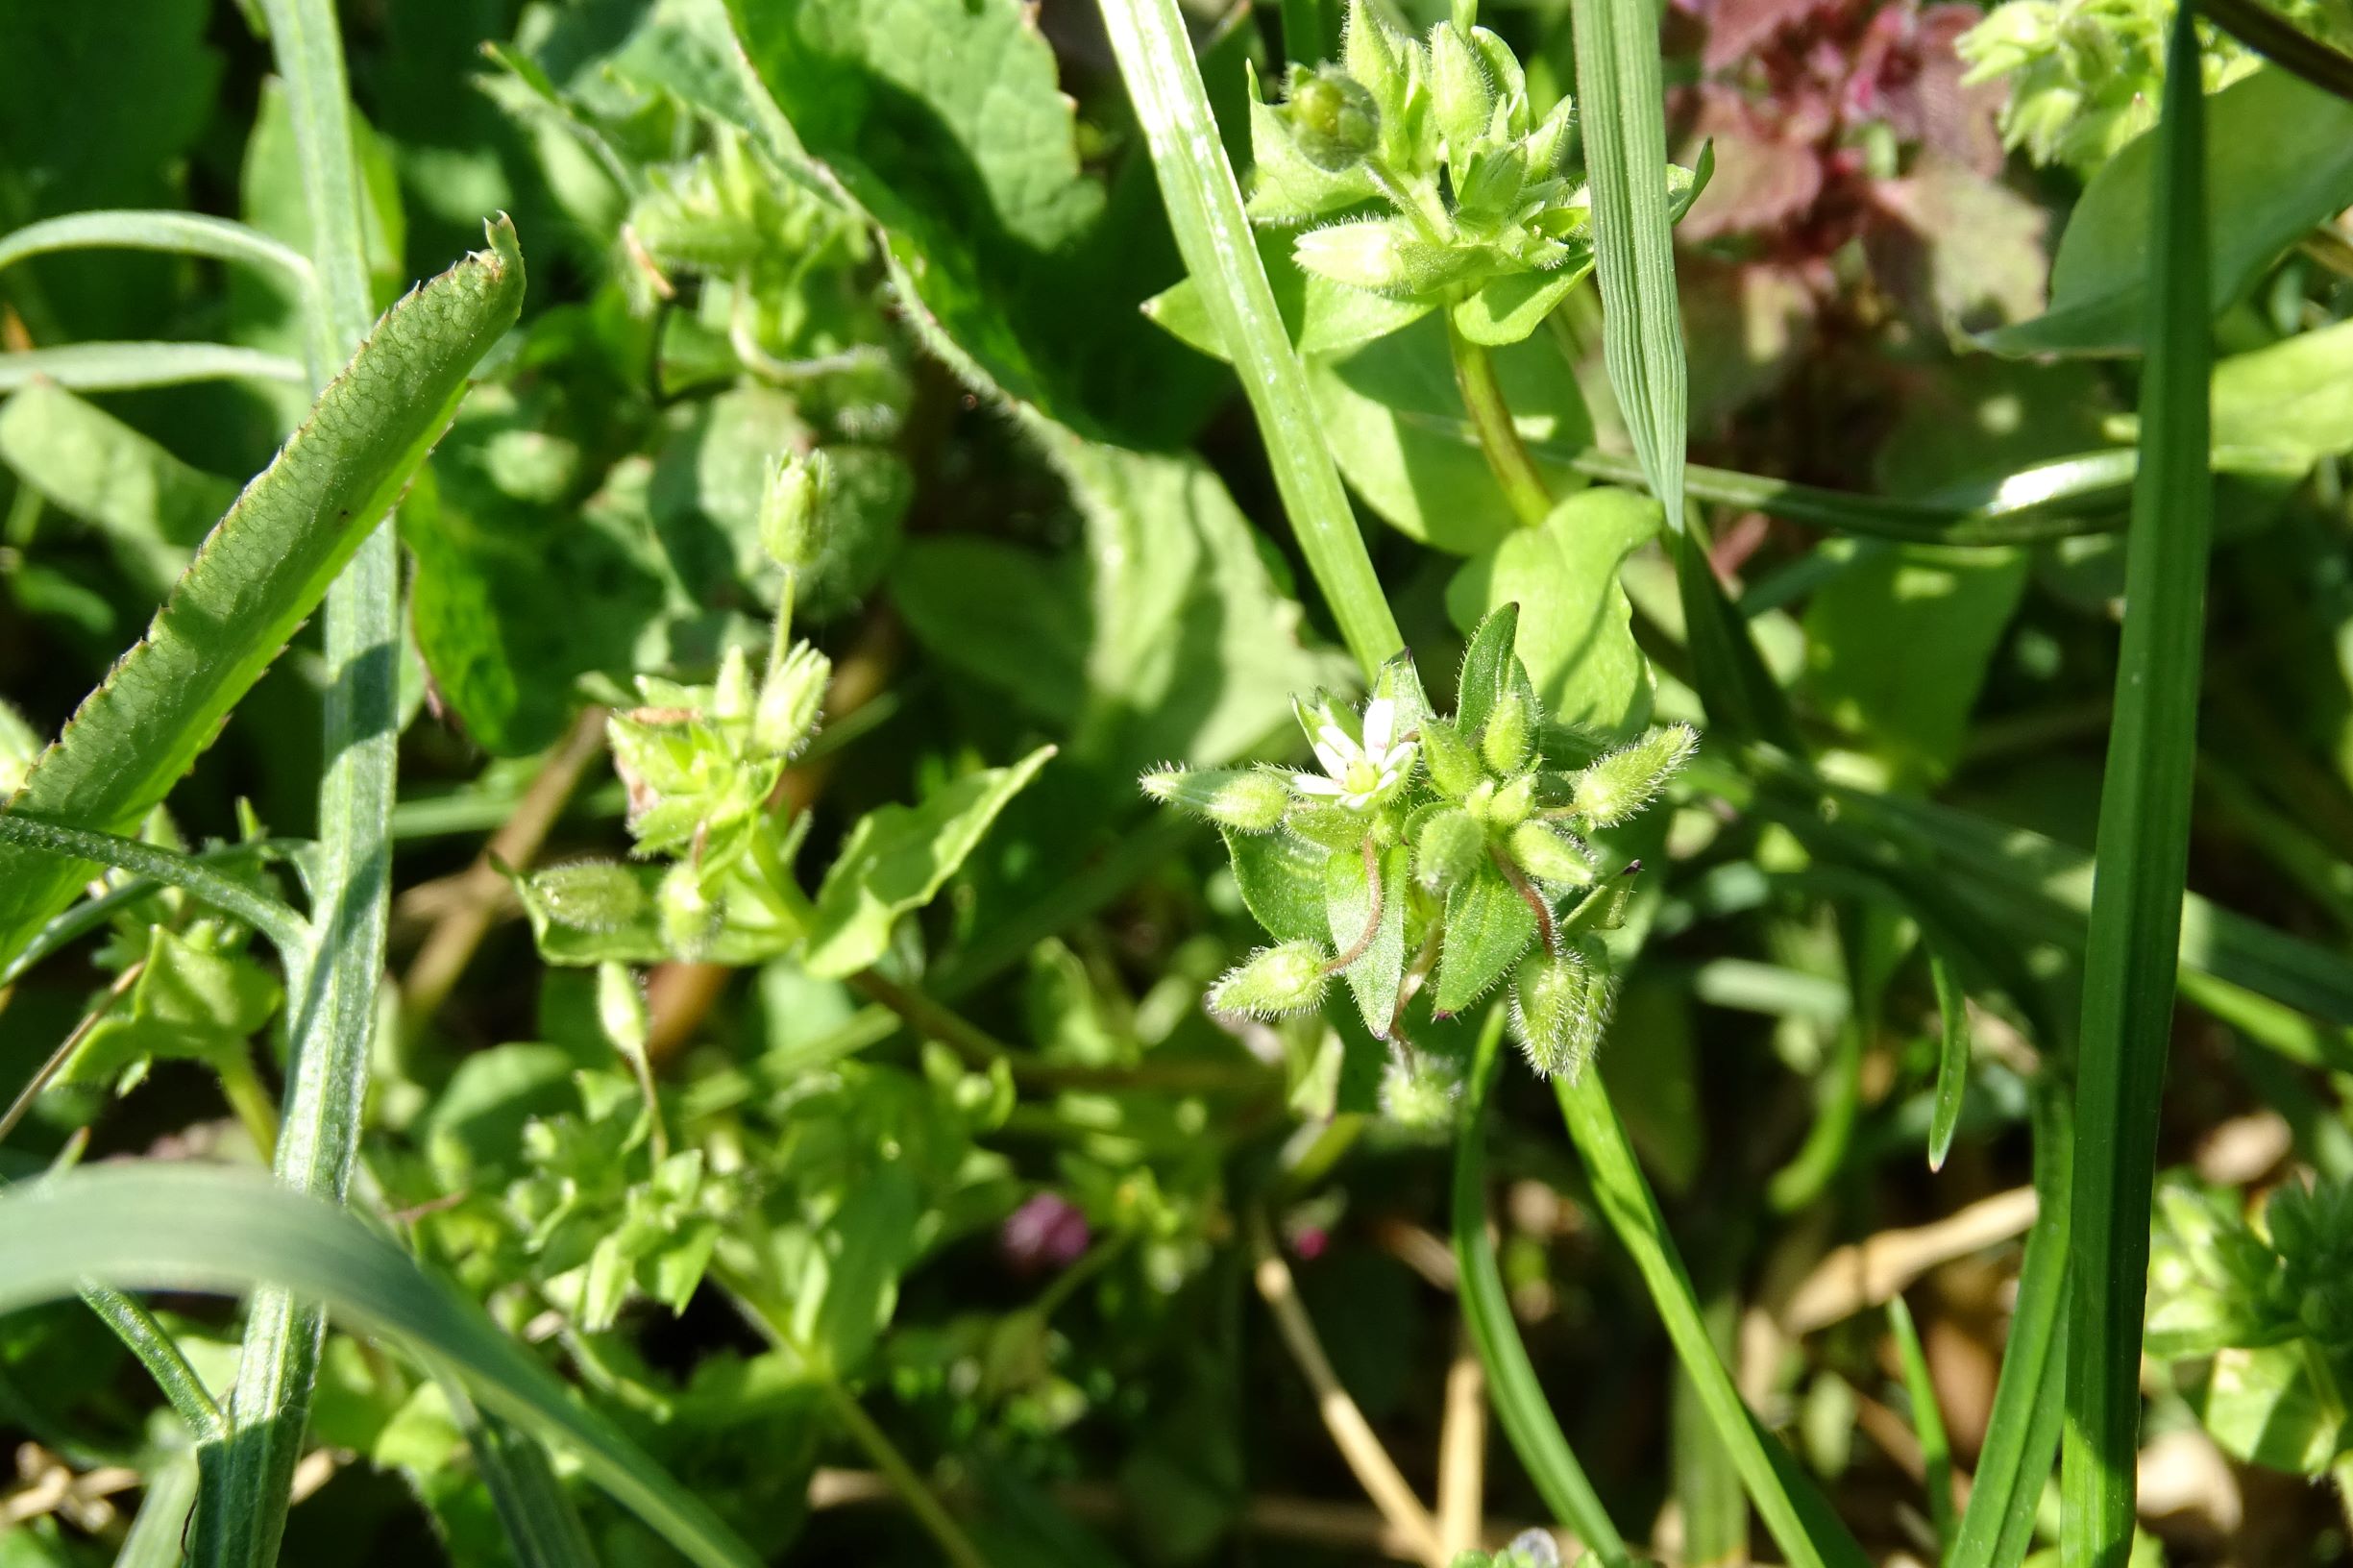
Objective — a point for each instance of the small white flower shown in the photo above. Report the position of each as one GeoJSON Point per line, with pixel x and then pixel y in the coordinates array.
{"type": "Point", "coordinates": [1359, 775]}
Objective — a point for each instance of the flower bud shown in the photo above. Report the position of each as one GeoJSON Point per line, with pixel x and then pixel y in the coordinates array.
{"type": "Point", "coordinates": [1621, 784]}
{"type": "Point", "coordinates": [690, 918]}
{"type": "Point", "coordinates": [791, 509]}
{"type": "Point", "coordinates": [590, 895]}
{"type": "Point", "coordinates": [789, 699]}
{"type": "Point", "coordinates": [1289, 978]}
{"type": "Point", "coordinates": [1248, 799]}
{"type": "Point", "coordinates": [1454, 767]}
{"type": "Point", "coordinates": [1448, 849]}
{"type": "Point", "coordinates": [1369, 254]}
{"type": "Point", "coordinates": [1460, 92]}
{"type": "Point", "coordinates": [621, 1008]}
{"type": "Point", "coordinates": [731, 694]}
{"type": "Point", "coordinates": [1333, 120]}
{"type": "Point", "coordinates": [1512, 802]}
{"type": "Point", "coordinates": [1373, 56]}
{"type": "Point", "coordinates": [1559, 1007]}
{"type": "Point", "coordinates": [1510, 726]}
{"type": "Point", "coordinates": [1419, 1091]}
{"type": "Point", "coordinates": [1550, 855]}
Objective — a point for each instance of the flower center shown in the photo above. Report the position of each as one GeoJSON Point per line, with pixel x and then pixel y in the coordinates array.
{"type": "Point", "coordinates": [1362, 777]}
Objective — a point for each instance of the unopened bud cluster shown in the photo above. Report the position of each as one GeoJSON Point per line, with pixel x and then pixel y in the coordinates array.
{"type": "Point", "coordinates": [1428, 852]}
{"type": "Point", "coordinates": [1441, 132]}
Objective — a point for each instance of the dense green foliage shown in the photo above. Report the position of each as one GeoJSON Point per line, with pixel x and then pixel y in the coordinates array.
{"type": "Point", "coordinates": [1107, 784]}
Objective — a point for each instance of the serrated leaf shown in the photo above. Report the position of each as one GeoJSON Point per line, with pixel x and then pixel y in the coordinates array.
{"type": "Point", "coordinates": [896, 858]}
{"type": "Point", "coordinates": [1575, 634]}
{"type": "Point", "coordinates": [2279, 162]}
{"type": "Point", "coordinates": [259, 572]}
{"type": "Point", "coordinates": [1379, 970]}
{"type": "Point", "coordinates": [1281, 880]}
{"type": "Point", "coordinates": [1488, 928]}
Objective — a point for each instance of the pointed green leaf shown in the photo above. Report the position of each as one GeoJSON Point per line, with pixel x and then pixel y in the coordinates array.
{"type": "Point", "coordinates": [1486, 667]}
{"type": "Point", "coordinates": [261, 570]}
{"type": "Point", "coordinates": [1488, 926]}
{"type": "Point", "coordinates": [897, 857]}
{"type": "Point", "coordinates": [1952, 1057]}
{"type": "Point", "coordinates": [1349, 911]}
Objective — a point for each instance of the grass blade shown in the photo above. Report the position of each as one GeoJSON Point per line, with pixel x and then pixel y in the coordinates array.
{"type": "Point", "coordinates": [260, 572]}
{"type": "Point", "coordinates": [1796, 1514]}
{"type": "Point", "coordinates": [187, 1227]}
{"type": "Point", "coordinates": [286, 930]}
{"type": "Point", "coordinates": [159, 1354]}
{"type": "Point", "coordinates": [2021, 1434]}
{"type": "Point", "coordinates": [1952, 1057]}
{"type": "Point", "coordinates": [543, 1529]}
{"type": "Point", "coordinates": [2285, 44]}
{"type": "Point", "coordinates": [180, 234]}
{"type": "Point", "coordinates": [242, 1513]}
{"type": "Point", "coordinates": [1213, 234]}
{"type": "Point", "coordinates": [2133, 938]}
{"type": "Point", "coordinates": [1520, 1404]}
{"type": "Point", "coordinates": [1928, 1422]}
{"type": "Point", "coordinates": [127, 367]}
{"type": "Point", "coordinates": [1621, 106]}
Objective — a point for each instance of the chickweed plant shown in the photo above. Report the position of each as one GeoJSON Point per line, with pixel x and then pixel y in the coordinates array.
{"type": "Point", "coordinates": [596, 988]}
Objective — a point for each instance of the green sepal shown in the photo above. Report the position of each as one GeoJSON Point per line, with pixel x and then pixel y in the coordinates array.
{"type": "Point", "coordinates": [1377, 974]}
{"type": "Point", "coordinates": [1274, 981]}
{"type": "Point", "coordinates": [1487, 667]}
{"type": "Point", "coordinates": [1488, 926]}
{"type": "Point", "coordinates": [1328, 827]}
{"type": "Point", "coordinates": [1560, 1009]}
{"type": "Point", "coordinates": [1452, 766]}
{"type": "Point", "coordinates": [1448, 845]}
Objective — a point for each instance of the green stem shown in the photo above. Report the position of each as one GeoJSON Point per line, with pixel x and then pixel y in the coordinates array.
{"type": "Point", "coordinates": [1498, 439]}
{"type": "Point", "coordinates": [956, 1546]}
{"type": "Point", "coordinates": [1800, 1521]}
{"type": "Point", "coordinates": [255, 1112]}
{"type": "Point", "coordinates": [241, 1515]}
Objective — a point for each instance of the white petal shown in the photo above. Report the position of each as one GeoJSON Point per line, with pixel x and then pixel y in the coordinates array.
{"type": "Point", "coordinates": [1340, 740]}
{"type": "Point", "coordinates": [1398, 758]}
{"type": "Point", "coordinates": [1380, 723]}
{"type": "Point", "coordinates": [1315, 784]}
{"type": "Point", "coordinates": [1334, 763]}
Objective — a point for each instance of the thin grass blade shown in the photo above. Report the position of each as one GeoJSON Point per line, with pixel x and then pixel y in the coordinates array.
{"type": "Point", "coordinates": [1621, 106]}
{"type": "Point", "coordinates": [221, 1231]}
{"type": "Point", "coordinates": [128, 367]}
{"type": "Point", "coordinates": [1520, 1404]}
{"type": "Point", "coordinates": [2133, 938]}
{"type": "Point", "coordinates": [1952, 1057]}
{"type": "Point", "coordinates": [2021, 1434]}
{"type": "Point", "coordinates": [1799, 1520]}
{"type": "Point", "coordinates": [286, 930]}
{"type": "Point", "coordinates": [1928, 1422]}
{"type": "Point", "coordinates": [180, 233]}
{"type": "Point", "coordinates": [1213, 234]}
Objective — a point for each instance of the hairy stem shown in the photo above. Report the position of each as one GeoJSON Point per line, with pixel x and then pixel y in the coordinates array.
{"type": "Point", "coordinates": [1498, 439]}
